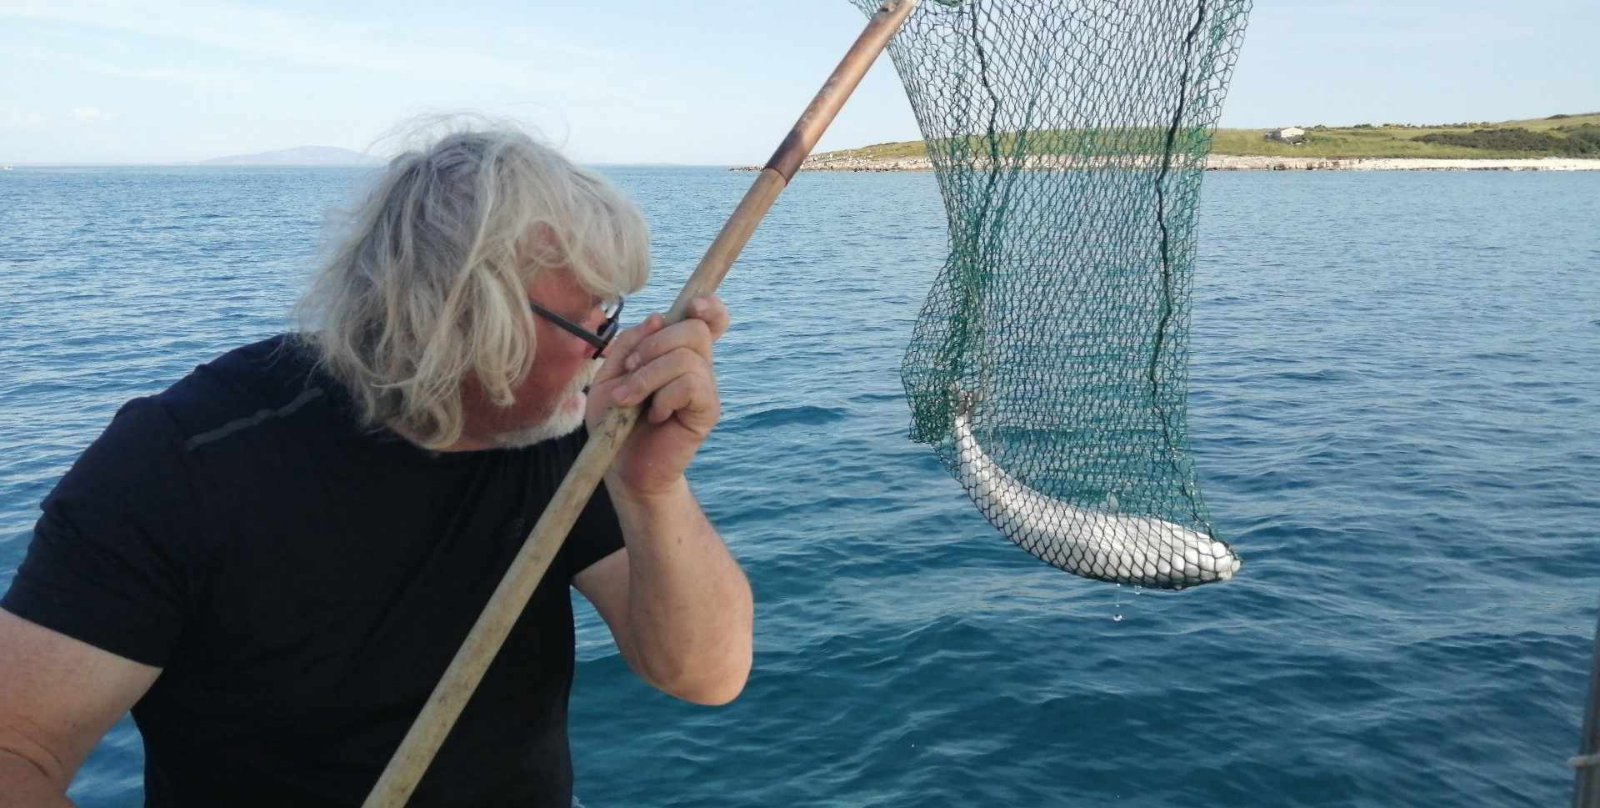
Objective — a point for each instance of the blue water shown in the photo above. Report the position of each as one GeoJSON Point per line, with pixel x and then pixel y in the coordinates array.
{"type": "Point", "coordinates": [1396, 414]}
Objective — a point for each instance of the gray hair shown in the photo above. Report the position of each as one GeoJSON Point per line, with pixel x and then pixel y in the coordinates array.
{"type": "Point", "coordinates": [428, 285]}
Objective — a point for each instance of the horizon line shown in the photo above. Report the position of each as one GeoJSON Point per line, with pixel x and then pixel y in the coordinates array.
{"type": "Point", "coordinates": [374, 165]}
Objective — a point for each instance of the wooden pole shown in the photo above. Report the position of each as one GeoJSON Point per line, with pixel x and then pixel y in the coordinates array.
{"type": "Point", "coordinates": [455, 688]}
{"type": "Point", "coordinates": [1586, 793]}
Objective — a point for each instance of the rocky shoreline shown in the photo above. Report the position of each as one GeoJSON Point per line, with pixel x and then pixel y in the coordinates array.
{"type": "Point", "coordinates": [1225, 162]}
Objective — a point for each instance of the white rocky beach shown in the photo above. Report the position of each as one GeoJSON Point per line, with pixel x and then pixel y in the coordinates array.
{"type": "Point", "coordinates": [1224, 162]}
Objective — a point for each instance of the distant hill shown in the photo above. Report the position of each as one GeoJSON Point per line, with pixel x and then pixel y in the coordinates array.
{"type": "Point", "coordinates": [1555, 136]}
{"type": "Point", "coordinates": [297, 156]}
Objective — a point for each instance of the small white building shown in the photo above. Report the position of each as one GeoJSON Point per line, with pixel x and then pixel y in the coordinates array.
{"type": "Point", "coordinates": [1292, 135]}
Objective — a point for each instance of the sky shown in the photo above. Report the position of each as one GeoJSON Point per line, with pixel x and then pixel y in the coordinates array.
{"type": "Point", "coordinates": [711, 82]}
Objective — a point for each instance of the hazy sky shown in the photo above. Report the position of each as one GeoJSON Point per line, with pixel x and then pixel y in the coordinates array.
{"type": "Point", "coordinates": [710, 81]}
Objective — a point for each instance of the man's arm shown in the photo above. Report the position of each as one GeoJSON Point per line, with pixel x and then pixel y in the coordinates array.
{"type": "Point", "coordinates": [677, 603]}
{"type": "Point", "coordinates": [58, 697]}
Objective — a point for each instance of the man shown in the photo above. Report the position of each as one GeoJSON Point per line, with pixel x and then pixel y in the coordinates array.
{"type": "Point", "coordinates": [272, 562]}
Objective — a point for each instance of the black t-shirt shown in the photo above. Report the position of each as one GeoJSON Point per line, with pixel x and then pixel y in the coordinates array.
{"type": "Point", "coordinates": [303, 583]}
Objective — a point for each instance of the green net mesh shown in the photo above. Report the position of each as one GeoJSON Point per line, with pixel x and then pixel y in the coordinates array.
{"type": "Point", "coordinates": [1049, 364]}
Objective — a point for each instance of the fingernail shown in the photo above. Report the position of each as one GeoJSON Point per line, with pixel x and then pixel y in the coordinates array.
{"type": "Point", "coordinates": [632, 363]}
{"type": "Point", "coordinates": [621, 394]}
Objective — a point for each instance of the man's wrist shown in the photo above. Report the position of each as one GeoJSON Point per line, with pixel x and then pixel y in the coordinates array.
{"type": "Point", "coordinates": [646, 501]}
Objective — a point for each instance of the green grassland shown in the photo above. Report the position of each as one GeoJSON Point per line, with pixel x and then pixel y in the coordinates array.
{"type": "Point", "coordinates": [1555, 136]}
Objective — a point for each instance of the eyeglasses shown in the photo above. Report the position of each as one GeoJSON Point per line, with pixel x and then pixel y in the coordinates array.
{"type": "Point", "coordinates": [601, 339]}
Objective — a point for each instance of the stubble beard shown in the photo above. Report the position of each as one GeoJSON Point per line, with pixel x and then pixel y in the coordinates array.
{"type": "Point", "coordinates": [565, 420]}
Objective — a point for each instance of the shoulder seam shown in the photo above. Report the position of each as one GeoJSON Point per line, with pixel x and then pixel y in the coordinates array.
{"type": "Point", "coordinates": [213, 435]}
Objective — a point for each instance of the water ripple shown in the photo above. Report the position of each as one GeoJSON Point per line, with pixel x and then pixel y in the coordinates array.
{"type": "Point", "coordinates": [1396, 416]}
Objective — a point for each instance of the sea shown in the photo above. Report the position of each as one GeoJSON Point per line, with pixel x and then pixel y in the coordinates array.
{"type": "Point", "coordinates": [1395, 411]}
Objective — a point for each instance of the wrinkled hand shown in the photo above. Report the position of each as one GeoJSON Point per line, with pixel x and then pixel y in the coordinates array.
{"type": "Point", "coordinates": [669, 369]}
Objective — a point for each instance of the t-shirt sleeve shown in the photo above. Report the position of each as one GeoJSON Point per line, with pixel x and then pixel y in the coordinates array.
{"type": "Point", "coordinates": [105, 564]}
{"type": "Point", "coordinates": [597, 533]}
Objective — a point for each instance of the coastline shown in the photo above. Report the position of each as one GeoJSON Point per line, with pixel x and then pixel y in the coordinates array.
{"type": "Point", "coordinates": [1228, 162]}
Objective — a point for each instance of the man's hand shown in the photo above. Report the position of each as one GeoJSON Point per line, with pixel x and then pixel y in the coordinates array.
{"type": "Point", "coordinates": [668, 368]}
{"type": "Point", "coordinates": [675, 600]}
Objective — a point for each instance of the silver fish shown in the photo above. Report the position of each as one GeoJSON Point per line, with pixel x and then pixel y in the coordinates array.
{"type": "Point", "coordinates": [1105, 546]}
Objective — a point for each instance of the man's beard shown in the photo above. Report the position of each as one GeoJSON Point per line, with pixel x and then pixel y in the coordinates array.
{"type": "Point", "coordinates": [565, 420]}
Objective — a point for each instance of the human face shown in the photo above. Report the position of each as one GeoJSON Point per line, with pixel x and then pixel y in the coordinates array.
{"type": "Point", "coordinates": [550, 400]}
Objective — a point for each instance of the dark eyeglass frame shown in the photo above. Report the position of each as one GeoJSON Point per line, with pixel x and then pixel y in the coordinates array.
{"type": "Point", "coordinates": [600, 340]}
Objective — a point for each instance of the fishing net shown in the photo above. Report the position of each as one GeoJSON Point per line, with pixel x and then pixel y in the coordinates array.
{"type": "Point", "coordinates": [1048, 366]}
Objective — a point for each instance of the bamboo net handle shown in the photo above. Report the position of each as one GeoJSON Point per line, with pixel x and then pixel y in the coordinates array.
{"type": "Point", "coordinates": [455, 688]}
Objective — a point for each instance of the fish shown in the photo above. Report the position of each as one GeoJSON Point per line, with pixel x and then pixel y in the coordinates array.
{"type": "Point", "coordinates": [1098, 544]}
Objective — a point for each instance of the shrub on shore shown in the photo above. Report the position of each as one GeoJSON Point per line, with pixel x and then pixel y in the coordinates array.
{"type": "Point", "coordinates": [1569, 141]}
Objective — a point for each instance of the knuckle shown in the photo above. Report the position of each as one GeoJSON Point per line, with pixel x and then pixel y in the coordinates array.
{"type": "Point", "coordinates": [684, 359]}
{"type": "Point", "coordinates": [663, 369]}
{"type": "Point", "coordinates": [682, 394]}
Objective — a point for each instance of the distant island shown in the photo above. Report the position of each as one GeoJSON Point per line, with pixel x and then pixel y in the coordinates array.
{"type": "Point", "coordinates": [298, 156]}
{"type": "Point", "coordinates": [1559, 142]}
